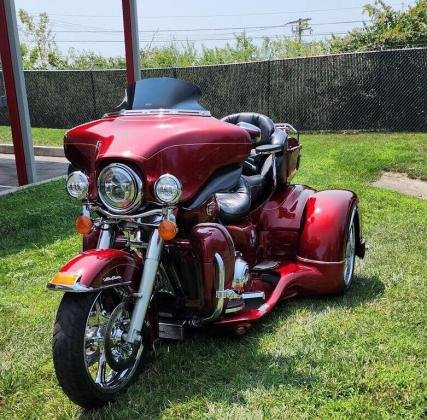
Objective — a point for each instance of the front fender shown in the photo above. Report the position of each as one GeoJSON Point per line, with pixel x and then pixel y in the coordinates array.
{"type": "Point", "coordinates": [326, 217]}
{"type": "Point", "coordinates": [98, 269]}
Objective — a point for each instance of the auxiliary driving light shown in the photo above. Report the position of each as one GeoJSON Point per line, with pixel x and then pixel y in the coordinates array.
{"type": "Point", "coordinates": [77, 185]}
{"type": "Point", "coordinates": [168, 189]}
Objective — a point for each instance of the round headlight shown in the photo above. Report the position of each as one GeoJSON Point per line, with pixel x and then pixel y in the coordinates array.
{"type": "Point", "coordinates": [119, 188]}
{"type": "Point", "coordinates": [168, 189]}
{"type": "Point", "coordinates": [77, 185]}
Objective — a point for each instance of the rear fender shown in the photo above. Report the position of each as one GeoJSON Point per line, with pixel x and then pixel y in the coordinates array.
{"type": "Point", "coordinates": [98, 269]}
{"type": "Point", "coordinates": [279, 222]}
{"type": "Point", "coordinates": [323, 236]}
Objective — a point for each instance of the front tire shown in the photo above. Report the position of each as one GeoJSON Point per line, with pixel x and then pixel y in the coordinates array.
{"type": "Point", "coordinates": [85, 325]}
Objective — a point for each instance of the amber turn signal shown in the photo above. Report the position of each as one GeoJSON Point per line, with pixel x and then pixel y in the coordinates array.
{"type": "Point", "coordinates": [167, 230]}
{"type": "Point", "coordinates": [84, 224]}
{"type": "Point", "coordinates": [65, 279]}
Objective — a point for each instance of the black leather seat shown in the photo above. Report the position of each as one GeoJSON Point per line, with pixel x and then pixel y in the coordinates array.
{"type": "Point", "coordinates": [269, 133]}
{"type": "Point", "coordinates": [258, 188]}
{"type": "Point", "coordinates": [234, 205]}
{"type": "Point", "coordinates": [252, 190]}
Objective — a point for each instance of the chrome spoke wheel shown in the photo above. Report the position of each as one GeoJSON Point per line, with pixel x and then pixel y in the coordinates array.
{"type": "Point", "coordinates": [350, 251]}
{"type": "Point", "coordinates": [109, 360]}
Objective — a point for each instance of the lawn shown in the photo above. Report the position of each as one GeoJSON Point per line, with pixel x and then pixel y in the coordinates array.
{"type": "Point", "coordinates": [41, 136]}
{"type": "Point", "coordinates": [357, 356]}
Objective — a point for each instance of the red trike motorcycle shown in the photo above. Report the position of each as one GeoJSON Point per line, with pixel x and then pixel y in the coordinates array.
{"type": "Point", "coordinates": [187, 221]}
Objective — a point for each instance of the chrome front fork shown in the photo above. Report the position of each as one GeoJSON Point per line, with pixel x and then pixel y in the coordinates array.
{"type": "Point", "coordinates": [151, 264]}
{"type": "Point", "coordinates": [105, 237]}
{"type": "Point", "coordinates": [142, 298]}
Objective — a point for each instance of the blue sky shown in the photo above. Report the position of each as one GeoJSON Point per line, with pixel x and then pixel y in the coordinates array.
{"type": "Point", "coordinates": [97, 24]}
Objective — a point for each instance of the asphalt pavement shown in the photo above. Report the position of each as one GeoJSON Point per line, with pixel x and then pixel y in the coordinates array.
{"type": "Point", "coordinates": [46, 168]}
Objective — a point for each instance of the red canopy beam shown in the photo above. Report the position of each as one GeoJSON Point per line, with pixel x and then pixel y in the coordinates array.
{"type": "Point", "coordinates": [16, 93]}
{"type": "Point", "coordinates": [130, 27]}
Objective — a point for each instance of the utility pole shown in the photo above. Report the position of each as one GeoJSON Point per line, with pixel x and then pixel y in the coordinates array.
{"type": "Point", "coordinates": [301, 25]}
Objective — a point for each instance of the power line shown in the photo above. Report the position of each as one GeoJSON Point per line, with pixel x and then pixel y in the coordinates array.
{"type": "Point", "coordinates": [118, 16]}
{"type": "Point", "coordinates": [208, 29]}
{"type": "Point", "coordinates": [178, 30]}
{"type": "Point", "coordinates": [171, 40]}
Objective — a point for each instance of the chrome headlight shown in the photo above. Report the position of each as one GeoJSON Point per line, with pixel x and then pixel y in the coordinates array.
{"type": "Point", "coordinates": [77, 185]}
{"type": "Point", "coordinates": [168, 189]}
{"type": "Point", "coordinates": [119, 188]}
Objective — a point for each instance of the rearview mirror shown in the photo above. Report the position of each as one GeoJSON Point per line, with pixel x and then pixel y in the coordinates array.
{"type": "Point", "coordinates": [253, 130]}
{"type": "Point", "coordinates": [268, 149]}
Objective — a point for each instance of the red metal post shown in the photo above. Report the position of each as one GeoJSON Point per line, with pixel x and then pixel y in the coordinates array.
{"type": "Point", "coordinates": [130, 27]}
{"type": "Point", "coordinates": [15, 93]}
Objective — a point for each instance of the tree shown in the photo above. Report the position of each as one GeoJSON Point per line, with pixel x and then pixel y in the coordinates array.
{"type": "Point", "coordinates": [171, 55]}
{"type": "Point", "coordinates": [288, 48]}
{"type": "Point", "coordinates": [39, 51]}
{"type": "Point", "coordinates": [89, 60]}
{"type": "Point", "coordinates": [388, 28]}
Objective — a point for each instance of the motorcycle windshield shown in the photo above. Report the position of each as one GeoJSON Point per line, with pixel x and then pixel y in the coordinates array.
{"type": "Point", "coordinates": [162, 93]}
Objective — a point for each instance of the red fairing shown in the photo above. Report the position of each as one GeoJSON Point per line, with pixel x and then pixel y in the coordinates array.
{"type": "Point", "coordinates": [190, 147]}
{"type": "Point", "coordinates": [324, 228]}
{"type": "Point", "coordinates": [206, 240]}
{"type": "Point", "coordinates": [104, 267]}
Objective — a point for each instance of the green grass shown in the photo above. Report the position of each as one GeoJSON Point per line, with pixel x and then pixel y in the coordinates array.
{"type": "Point", "coordinates": [41, 136]}
{"type": "Point", "coordinates": [357, 356]}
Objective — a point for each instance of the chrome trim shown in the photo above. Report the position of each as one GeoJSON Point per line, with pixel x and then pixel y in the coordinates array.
{"type": "Point", "coordinates": [171, 330]}
{"type": "Point", "coordinates": [274, 169]}
{"type": "Point", "coordinates": [126, 216]}
{"type": "Point", "coordinates": [104, 240]}
{"type": "Point", "coordinates": [158, 111]}
{"type": "Point", "coordinates": [234, 309]}
{"type": "Point", "coordinates": [241, 273]}
{"type": "Point", "coordinates": [307, 260]}
{"type": "Point", "coordinates": [85, 210]}
{"type": "Point", "coordinates": [227, 294]}
{"type": "Point", "coordinates": [179, 189]}
{"type": "Point", "coordinates": [253, 130]}
{"type": "Point", "coordinates": [138, 185]}
{"type": "Point", "coordinates": [253, 295]}
{"type": "Point", "coordinates": [292, 149]}
{"type": "Point", "coordinates": [145, 290]}
{"type": "Point", "coordinates": [286, 126]}
{"type": "Point", "coordinates": [221, 282]}
{"type": "Point", "coordinates": [78, 288]}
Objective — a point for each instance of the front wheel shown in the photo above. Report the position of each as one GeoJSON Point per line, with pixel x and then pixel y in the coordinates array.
{"type": "Point", "coordinates": [92, 361]}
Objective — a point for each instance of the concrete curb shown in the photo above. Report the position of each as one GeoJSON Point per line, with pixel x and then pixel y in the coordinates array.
{"type": "Point", "coordinates": [38, 150]}
{"type": "Point", "coordinates": [24, 187]}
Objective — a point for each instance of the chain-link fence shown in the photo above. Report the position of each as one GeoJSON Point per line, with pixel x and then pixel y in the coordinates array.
{"type": "Point", "coordinates": [382, 90]}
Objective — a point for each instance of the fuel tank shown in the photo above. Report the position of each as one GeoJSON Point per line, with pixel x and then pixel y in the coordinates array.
{"type": "Point", "coordinates": [190, 147]}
